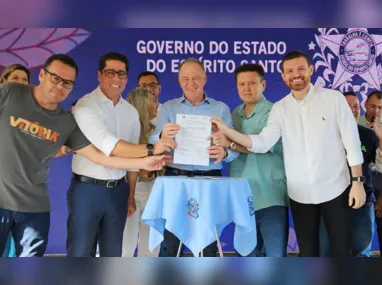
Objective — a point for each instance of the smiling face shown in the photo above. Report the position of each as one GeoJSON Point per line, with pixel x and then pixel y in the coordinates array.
{"type": "Point", "coordinates": [150, 83]}
{"type": "Point", "coordinates": [297, 73]}
{"type": "Point", "coordinates": [192, 79]}
{"type": "Point", "coordinates": [56, 82]}
{"type": "Point", "coordinates": [113, 85]}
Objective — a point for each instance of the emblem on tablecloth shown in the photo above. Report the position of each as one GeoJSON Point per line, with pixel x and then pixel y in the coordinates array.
{"type": "Point", "coordinates": [193, 208]}
{"type": "Point", "coordinates": [250, 205]}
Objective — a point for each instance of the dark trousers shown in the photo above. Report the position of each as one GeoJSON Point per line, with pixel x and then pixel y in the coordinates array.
{"type": "Point", "coordinates": [96, 211]}
{"type": "Point", "coordinates": [377, 177]}
{"type": "Point", "coordinates": [29, 230]}
{"type": "Point", "coordinates": [170, 245]}
{"type": "Point", "coordinates": [337, 218]}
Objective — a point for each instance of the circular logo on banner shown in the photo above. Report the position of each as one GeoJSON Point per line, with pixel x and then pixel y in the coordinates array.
{"type": "Point", "coordinates": [357, 51]}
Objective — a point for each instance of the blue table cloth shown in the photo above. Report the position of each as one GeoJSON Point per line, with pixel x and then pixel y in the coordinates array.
{"type": "Point", "coordinates": [191, 207]}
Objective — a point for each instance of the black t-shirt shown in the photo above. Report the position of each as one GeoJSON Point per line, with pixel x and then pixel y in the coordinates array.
{"type": "Point", "coordinates": [369, 145]}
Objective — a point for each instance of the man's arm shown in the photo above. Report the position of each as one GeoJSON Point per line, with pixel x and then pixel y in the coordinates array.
{"type": "Point", "coordinates": [97, 132]}
{"type": "Point", "coordinates": [260, 143]}
{"type": "Point", "coordinates": [131, 177]}
{"type": "Point", "coordinates": [348, 129]}
{"type": "Point", "coordinates": [227, 118]}
{"type": "Point", "coordinates": [150, 163]}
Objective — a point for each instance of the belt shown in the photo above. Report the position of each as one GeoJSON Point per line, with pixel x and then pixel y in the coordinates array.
{"type": "Point", "coordinates": [106, 183]}
{"type": "Point", "coordinates": [190, 173]}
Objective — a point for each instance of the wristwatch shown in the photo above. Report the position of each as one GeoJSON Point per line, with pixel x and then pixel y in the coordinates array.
{"type": "Point", "coordinates": [150, 149]}
{"type": "Point", "coordinates": [232, 145]}
{"type": "Point", "coordinates": [360, 179]}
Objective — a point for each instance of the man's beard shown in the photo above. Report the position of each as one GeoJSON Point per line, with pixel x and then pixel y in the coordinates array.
{"type": "Point", "coordinates": [301, 85]}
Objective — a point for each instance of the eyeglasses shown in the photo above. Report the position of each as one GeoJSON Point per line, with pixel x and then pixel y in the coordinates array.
{"type": "Point", "coordinates": [151, 85]}
{"type": "Point", "coordinates": [111, 73]}
{"type": "Point", "coordinates": [55, 79]}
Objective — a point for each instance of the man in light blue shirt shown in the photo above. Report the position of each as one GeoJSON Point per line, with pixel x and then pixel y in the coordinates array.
{"type": "Point", "coordinates": [192, 79]}
{"type": "Point", "coordinates": [265, 172]}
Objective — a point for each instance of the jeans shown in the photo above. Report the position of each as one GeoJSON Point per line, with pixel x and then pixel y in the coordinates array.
{"type": "Point", "coordinates": [337, 217]}
{"type": "Point", "coordinates": [272, 227]}
{"type": "Point", "coordinates": [29, 231]}
{"type": "Point", "coordinates": [362, 225]}
{"type": "Point", "coordinates": [96, 210]}
{"type": "Point", "coordinates": [377, 177]}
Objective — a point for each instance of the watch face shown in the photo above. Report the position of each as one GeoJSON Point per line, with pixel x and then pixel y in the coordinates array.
{"type": "Point", "coordinates": [150, 146]}
{"type": "Point", "coordinates": [359, 179]}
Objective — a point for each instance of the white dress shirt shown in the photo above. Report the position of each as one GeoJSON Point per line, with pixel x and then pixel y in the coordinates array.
{"type": "Point", "coordinates": [319, 136]}
{"type": "Point", "coordinates": [104, 125]}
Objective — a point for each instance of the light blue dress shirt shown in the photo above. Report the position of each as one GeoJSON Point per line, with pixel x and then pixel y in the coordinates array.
{"type": "Point", "coordinates": [208, 107]}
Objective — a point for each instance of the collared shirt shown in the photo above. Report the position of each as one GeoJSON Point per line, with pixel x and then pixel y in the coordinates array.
{"type": "Point", "coordinates": [208, 107]}
{"type": "Point", "coordinates": [264, 172]}
{"type": "Point", "coordinates": [369, 146]}
{"type": "Point", "coordinates": [319, 136]}
{"type": "Point", "coordinates": [364, 122]}
{"type": "Point", "coordinates": [104, 125]}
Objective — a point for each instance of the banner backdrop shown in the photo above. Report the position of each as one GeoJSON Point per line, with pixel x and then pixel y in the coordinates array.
{"type": "Point", "coordinates": [344, 59]}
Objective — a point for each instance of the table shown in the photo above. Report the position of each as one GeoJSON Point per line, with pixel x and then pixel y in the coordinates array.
{"type": "Point", "coordinates": [192, 208]}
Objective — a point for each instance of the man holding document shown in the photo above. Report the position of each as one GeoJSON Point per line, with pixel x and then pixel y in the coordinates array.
{"type": "Point", "coordinates": [188, 120]}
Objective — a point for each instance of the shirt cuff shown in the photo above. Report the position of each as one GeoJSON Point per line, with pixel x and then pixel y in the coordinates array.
{"type": "Point", "coordinates": [355, 158]}
{"type": "Point", "coordinates": [231, 155]}
{"type": "Point", "coordinates": [108, 144]}
{"type": "Point", "coordinates": [256, 143]}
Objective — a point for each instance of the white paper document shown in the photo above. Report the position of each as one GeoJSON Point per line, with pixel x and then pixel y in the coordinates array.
{"type": "Point", "coordinates": [192, 140]}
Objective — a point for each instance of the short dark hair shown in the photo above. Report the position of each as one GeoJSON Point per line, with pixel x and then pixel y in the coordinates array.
{"type": "Point", "coordinates": [112, 56]}
{"type": "Point", "coordinates": [147, 73]}
{"type": "Point", "coordinates": [295, 54]}
{"type": "Point", "coordinates": [376, 93]}
{"type": "Point", "coordinates": [250, 67]}
{"type": "Point", "coordinates": [63, 58]}
{"type": "Point", "coordinates": [350, 93]}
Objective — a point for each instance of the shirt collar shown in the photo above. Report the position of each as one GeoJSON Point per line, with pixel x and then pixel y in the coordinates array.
{"type": "Point", "coordinates": [258, 107]}
{"type": "Point", "coordinates": [308, 96]}
{"type": "Point", "coordinates": [206, 99]}
{"type": "Point", "coordinates": [103, 99]}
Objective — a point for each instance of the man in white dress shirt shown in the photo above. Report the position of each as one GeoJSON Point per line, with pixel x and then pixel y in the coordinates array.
{"type": "Point", "coordinates": [99, 199]}
{"type": "Point", "coordinates": [320, 138]}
